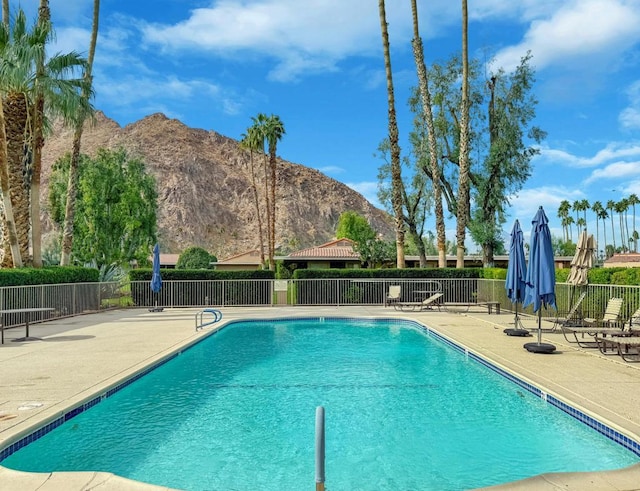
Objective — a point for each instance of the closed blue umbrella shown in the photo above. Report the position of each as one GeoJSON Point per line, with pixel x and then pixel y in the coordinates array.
{"type": "Point", "coordinates": [515, 283]}
{"type": "Point", "coordinates": [156, 279]}
{"type": "Point", "coordinates": [541, 276]}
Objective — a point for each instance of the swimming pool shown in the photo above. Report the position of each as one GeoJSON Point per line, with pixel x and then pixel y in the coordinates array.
{"type": "Point", "coordinates": [237, 411]}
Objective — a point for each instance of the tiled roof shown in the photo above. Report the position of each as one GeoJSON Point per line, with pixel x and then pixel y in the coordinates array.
{"type": "Point", "coordinates": [339, 248]}
{"type": "Point", "coordinates": [627, 258]}
{"type": "Point", "coordinates": [249, 257]}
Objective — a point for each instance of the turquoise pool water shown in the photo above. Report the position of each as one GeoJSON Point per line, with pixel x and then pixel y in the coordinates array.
{"type": "Point", "coordinates": [403, 412]}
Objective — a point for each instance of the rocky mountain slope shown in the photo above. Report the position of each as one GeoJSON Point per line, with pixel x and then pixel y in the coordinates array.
{"type": "Point", "coordinates": [204, 187]}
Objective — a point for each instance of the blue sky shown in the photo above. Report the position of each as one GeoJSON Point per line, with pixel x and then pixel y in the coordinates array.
{"type": "Point", "coordinates": [318, 65]}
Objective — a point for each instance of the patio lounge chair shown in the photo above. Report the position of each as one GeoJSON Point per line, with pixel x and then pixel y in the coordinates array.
{"type": "Point", "coordinates": [609, 325]}
{"type": "Point", "coordinates": [427, 303]}
{"type": "Point", "coordinates": [628, 347]}
{"type": "Point", "coordinates": [573, 317]}
{"type": "Point", "coordinates": [611, 314]}
{"type": "Point", "coordinates": [393, 295]}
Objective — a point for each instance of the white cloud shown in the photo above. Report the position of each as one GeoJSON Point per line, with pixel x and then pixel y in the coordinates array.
{"type": "Point", "coordinates": [616, 170]}
{"type": "Point", "coordinates": [526, 202]}
{"type": "Point", "coordinates": [576, 32]}
{"type": "Point", "coordinates": [630, 116]}
{"type": "Point", "coordinates": [309, 39]}
{"type": "Point", "coordinates": [611, 152]}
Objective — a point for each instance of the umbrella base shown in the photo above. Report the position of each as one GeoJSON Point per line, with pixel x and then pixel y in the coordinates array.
{"type": "Point", "coordinates": [517, 332]}
{"type": "Point", "coordinates": [540, 347]}
{"type": "Point", "coordinates": [156, 309]}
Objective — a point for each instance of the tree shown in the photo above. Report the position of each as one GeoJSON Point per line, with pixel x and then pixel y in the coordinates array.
{"type": "Point", "coordinates": [195, 258]}
{"type": "Point", "coordinates": [373, 251]}
{"type": "Point", "coordinates": [30, 88]}
{"type": "Point", "coordinates": [72, 187]}
{"type": "Point", "coordinates": [633, 200]}
{"type": "Point", "coordinates": [597, 208]}
{"type": "Point", "coordinates": [115, 207]}
{"type": "Point", "coordinates": [507, 166]}
{"type": "Point", "coordinates": [563, 214]}
{"type": "Point", "coordinates": [462, 215]}
{"type": "Point", "coordinates": [433, 159]}
{"type": "Point", "coordinates": [355, 227]}
{"type": "Point", "coordinates": [611, 205]}
{"type": "Point", "coordinates": [416, 195]}
{"type": "Point", "coordinates": [253, 142]}
{"type": "Point", "coordinates": [396, 175]}
{"type": "Point", "coordinates": [274, 133]}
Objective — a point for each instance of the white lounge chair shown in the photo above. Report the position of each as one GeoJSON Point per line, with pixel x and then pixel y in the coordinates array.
{"type": "Point", "coordinates": [394, 295]}
{"type": "Point", "coordinates": [427, 303]}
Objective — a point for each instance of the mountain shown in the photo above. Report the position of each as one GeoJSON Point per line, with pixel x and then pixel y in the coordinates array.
{"type": "Point", "coordinates": [205, 197]}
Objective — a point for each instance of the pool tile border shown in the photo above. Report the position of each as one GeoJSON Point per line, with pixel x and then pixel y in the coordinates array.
{"type": "Point", "coordinates": [605, 430]}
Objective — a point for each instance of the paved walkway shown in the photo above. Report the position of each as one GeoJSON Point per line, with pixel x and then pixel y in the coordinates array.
{"type": "Point", "coordinates": [80, 357]}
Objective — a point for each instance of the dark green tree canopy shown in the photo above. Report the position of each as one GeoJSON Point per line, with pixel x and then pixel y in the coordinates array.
{"type": "Point", "coordinates": [116, 207]}
{"type": "Point", "coordinates": [195, 258]}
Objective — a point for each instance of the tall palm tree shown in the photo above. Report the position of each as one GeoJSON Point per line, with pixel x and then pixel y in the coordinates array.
{"type": "Point", "coordinates": [9, 223]}
{"type": "Point", "coordinates": [563, 213]}
{"type": "Point", "coordinates": [633, 201]}
{"type": "Point", "coordinates": [611, 206]}
{"type": "Point", "coordinates": [463, 176]}
{"type": "Point", "coordinates": [397, 188]}
{"type": "Point", "coordinates": [425, 95]}
{"type": "Point", "coordinates": [72, 186]}
{"type": "Point", "coordinates": [603, 215]}
{"type": "Point", "coordinates": [30, 85]}
{"type": "Point", "coordinates": [621, 208]}
{"type": "Point", "coordinates": [596, 208]}
{"type": "Point", "coordinates": [274, 131]}
{"type": "Point", "coordinates": [253, 141]}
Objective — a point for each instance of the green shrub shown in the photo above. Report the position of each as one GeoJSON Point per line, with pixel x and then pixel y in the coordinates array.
{"type": "Point", "coordinates": [195, 258]}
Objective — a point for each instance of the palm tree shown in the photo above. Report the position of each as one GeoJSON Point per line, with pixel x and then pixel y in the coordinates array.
{"type": "Point", "coordinates": [425, 95]}
{"type": "Point", "coordinates": [596, 207]}
{"type": "Point", "coordinates": [9, 223]}
{"type": "Point", "coordinates": [30, 87]}
{"type": "Point", "coordinates": [72, 186]}
{"type": "Point", "coordinates": [563, 213]}
{"type": "Point", "coordinates": [611, 205]}
{"type": "Point", "coordinates": [463, 177]}
{"type": "Point", "coordinates": [633, 201]}
{"type": "Point", "coordinates": [273, 133]}
{"type": "Point", "coordinates": [603, 215]}
{"type": "Point", "coordinates": [570, 221]}
{"type": "Point", "coordinates": [252, 141]}
{"type": "Point", "coordinates": [621, 207]}
{"type": "Point", "coordinates": [584, 206]}
{"type": "Point", "coordinates": [397, 188]}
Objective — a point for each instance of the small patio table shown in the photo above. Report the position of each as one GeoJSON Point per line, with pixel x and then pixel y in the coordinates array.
{"type": "Point", "coordinates": [27, 313]}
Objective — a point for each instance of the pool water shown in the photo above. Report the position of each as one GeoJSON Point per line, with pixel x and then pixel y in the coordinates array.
{"type": "Point", "coordinates": [403, 412]}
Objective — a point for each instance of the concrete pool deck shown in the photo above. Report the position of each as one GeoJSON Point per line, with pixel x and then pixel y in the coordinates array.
{"type": "Point", "coordinates": [80, 357]}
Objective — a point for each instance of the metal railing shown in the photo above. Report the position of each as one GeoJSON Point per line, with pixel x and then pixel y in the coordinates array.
{"type": "Point", "coordinates": [74, 299]}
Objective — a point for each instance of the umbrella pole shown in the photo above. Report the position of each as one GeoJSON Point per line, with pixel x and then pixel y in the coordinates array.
{"type": "Point", "coordinates": [540, 325]}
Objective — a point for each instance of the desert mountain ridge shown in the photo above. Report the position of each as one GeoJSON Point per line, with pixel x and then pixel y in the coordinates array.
{"type": "Point", "coordinates": [204, 189]}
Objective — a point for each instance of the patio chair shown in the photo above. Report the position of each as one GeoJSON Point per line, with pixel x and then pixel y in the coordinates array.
{"type": "Point", "coordinates": [611, 314]}
{"type": "Point", "coordinates": [393, 295]}
{"type": "Point", "coordinates": [427, 303]}
{"type": "Point", "coordinates": [573, 317]}
{"type": "Point", "coordinates": [609, 324]}
{"type": "Point", "coordinates": [628, 347]}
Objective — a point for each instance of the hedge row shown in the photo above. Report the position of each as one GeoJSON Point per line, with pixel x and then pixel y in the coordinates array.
{"type": "Point", "coordinates": [409, 273]}
{"type": "Point", "coordinates": [47, 276]}
{"type": "Point", "coordinates": [200, 274]}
